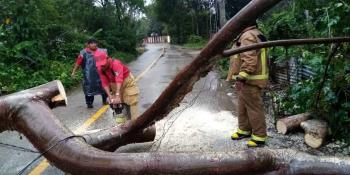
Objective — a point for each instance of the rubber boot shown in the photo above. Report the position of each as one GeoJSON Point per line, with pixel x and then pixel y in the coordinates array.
{"type": "Point", "coordinates": [256, 141]}
{"type": "Point", "coordinates": [240, 134]}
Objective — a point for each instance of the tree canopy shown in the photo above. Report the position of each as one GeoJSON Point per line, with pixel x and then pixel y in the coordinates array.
{"type": "Point", "coordinates": [40, 39]}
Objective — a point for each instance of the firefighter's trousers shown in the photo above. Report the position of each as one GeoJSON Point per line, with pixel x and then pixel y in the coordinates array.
{"type": "Point", "coordinates": [130, 94]}
{"type": "Point", "coordinates": [251, 116]}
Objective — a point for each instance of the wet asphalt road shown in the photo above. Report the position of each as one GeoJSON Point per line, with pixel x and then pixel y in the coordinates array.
{"type": "Point", "coordinates": [203, 122]}
{"type": "Point", "coordinates": [151, 84]}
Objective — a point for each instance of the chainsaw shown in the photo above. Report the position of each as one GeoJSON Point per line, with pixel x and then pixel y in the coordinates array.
{"type": "Point", "coordinates": [121, 112]}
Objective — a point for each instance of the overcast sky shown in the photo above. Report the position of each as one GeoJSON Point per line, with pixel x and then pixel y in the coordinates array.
{"type": "Point", "coordinates": [148, 2]}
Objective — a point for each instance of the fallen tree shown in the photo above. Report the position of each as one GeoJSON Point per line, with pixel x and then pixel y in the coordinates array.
{"type": "Point", "coordinates": [109, 139]}
{"type": "Point", "coordinates": [143, 121]}
{"type": "Point", "coordinates": [29, 113]}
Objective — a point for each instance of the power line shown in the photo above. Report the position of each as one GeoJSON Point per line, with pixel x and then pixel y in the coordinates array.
{"type": "Point", "coordinates": [178, 114]}
{"type": "Point", "coordinates": [47, 150]}
{"type": "Point", "coordinates": [18, 148]}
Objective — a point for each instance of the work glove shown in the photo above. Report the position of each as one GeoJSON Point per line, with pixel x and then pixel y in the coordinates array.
{"type": "Point", "coordinates": [239, 83]}
{"type": "Point", "coordinates": [114, 100]}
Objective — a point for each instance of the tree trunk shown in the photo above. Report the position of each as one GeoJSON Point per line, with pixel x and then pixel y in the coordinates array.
{"type": "Point", "coordinates": [28, 113]}
{"type": "Point", "coordinates": [222, 12]}
{"type": "Point", "coordinates": [35, 120]}
{"type": "Point", "coordinates": [292, 122]}
{"type": "Point", "coordinates": [315, 132]}
{"type": "Point", "coordinates": [110, 139]}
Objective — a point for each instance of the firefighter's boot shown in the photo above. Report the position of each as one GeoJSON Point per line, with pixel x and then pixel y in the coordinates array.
{"type": "Point", "coordinates": [240, 134]}
{"type": "Point", "coordinates": [256, 141]}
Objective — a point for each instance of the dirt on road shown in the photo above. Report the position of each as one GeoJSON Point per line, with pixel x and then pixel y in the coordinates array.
{"type": "Point", "coordinates": [207, 117]}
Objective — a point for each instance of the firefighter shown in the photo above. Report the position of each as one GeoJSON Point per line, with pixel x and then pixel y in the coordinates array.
{"type": "Point", "coordinates": [233, 66]}
{"type": "Point", "coordinates": [119, 85]}
{"type": "Point", "coordinates": [91, 83]}
{"type": "Point", "coordinates": [251, 77]}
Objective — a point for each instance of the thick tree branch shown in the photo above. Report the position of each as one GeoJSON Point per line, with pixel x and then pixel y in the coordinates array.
{"type": "Point", "coordinates": [68, 155]}
{"type": "Point", "coordinates": [289, 42]}
{"type": "Point", "coordinates": [35, 120]}
{"type": "Point", "coordinates": [110, 139]}
{"type": "Point", "coordinates": [51, 93]}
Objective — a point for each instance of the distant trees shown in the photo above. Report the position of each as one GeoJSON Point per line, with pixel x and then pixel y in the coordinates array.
{"type": "Point", "coordinates": [36, 34]}
{"type": "Point", "coordinates": [183, 18]}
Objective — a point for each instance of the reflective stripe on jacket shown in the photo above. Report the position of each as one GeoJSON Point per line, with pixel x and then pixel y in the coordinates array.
{"type": "Point", "coordinates": [251, 65]}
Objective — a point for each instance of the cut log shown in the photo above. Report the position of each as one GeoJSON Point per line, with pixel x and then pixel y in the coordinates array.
{"type": "Point", "coordinates": [315, 132]}
{"type": "Point", "coordinates": [287, 124]}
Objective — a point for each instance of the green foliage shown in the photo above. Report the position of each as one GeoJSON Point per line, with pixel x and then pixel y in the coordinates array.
{"type": "Point", "coordinates": [303, 19]}
{"type": "Point", "coordinates": [195, 42]}
{"type": "Point", "coordinates": [40, 39]}
{"type": "Point", "coordinates": [223, 66]}
{"type": "Point", "coordinates": [195, 39]}
{"type": "Point", "coordinates": [310, 19]}
{"type": "Point", "coordinates": [19, 78]}
{"type": "Point", "coordinates": [184, 18]}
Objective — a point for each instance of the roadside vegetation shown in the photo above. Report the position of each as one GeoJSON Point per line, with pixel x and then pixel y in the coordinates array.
{"type": "Point", "coordinates": [195, 42]}
{"type": "Point", "coordinates": [190, 22]}
{"type": "Point", "coordinates": [311, 19]}
{"type": "Point", "coordinates": [40, 39]}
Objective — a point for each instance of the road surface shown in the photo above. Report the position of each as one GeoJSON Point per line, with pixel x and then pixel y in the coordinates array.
{"type": "Point", "coordinates": [203, 122]}
{"type": "Point", "coordinates": [157, 72]}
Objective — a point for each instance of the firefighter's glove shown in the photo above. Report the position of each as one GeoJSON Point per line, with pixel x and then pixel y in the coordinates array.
{"type": "Point", "coordinates": [115, 99]}
{"type": "Point", "coordinates": [239, 83]}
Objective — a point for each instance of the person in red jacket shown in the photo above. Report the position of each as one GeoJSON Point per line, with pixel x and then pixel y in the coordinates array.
{"type": "Point", "coordinates": [119, 84]}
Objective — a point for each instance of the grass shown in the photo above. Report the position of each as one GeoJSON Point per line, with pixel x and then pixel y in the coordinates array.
{"type": "Point", "coordinates": [195, 42]}
{"type": "Point", "coordinates": [196, 45]}
{"type": "Point", "coordinates": [125, 57]}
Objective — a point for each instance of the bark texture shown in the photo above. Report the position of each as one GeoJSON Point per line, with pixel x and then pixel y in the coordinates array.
{"type": "Point", "coordinates": [110, 139]}
{"type": "Point", "coordinates": [29, 113]}
{"type": "Point", "coordinates": [289, 42]}
{"type": "Point", "coordinates": [52, 94]}
{"type": "Point", "coordinates": [287, 124]}
{"type": "Point", "coordinates": [315, 132]}
{"type": "Point", "coordinates": [76, 157]}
